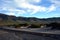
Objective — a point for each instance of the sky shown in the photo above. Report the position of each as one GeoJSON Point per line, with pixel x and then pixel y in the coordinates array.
{"type": "Point", "coordinates": [31, 8]}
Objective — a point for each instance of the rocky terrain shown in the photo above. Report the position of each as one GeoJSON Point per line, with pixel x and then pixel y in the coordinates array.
{"type": "Point", "coordinates": [8, 35]}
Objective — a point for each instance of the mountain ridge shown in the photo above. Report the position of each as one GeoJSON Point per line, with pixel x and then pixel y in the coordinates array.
{"type": "Point", "coordinates": [4, 17]}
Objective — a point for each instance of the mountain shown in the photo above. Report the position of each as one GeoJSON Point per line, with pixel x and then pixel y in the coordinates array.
{"type": "Point", "coordinates": [10, 19]}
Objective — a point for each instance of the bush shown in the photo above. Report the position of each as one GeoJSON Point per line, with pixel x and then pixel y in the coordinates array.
{"type": "Point", "coordinates": [34, 26]}
{"type": "Point", "coordinates": [54, 25]}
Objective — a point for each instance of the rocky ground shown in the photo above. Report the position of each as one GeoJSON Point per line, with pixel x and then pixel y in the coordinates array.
{"type": "Point", "coordinates": [7, 36]}
{"type": "Point", "coordinates": [4, 35]}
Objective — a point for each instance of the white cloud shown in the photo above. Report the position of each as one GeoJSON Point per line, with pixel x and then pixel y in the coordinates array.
{"type": "Point", "coordinates": [11, 6]}
{"type": "Point", "coordinates": [54, 6]}
{"type": "Point", "coordinates": [20, 12]}
{"type": "Point", "coordinates": [33, 8]}
{"type": "Point", "coordinates": [56, 2]}
{"type": "Point", "coordinates": [51, 8]}
{"type": "Point", "coordinates": [36, 1]}
{"type": "Point", "coordinates": [11, 13]}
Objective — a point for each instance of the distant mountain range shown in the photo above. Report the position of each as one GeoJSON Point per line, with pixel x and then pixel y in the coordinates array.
{"type": "Point", "coordinates": [9, 19]}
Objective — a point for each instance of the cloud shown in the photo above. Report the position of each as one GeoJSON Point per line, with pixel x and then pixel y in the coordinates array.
{"type": "Point", "coordinates": [51, 8]}
{"type": "Point", "coordinates": [9, 8]}
{"type": "Point", "coordinates": [32, 8]}
{"type": "Point", "coordinates": [36, 0]}
{"type": "Point", "coordinates": [56, 2]}
{"type": "Point", "coordinates": [24, 7]}
{"type": "Point", "coordinates": [54, 6]}
{"type": "Point", "coordinates": [11, 13]}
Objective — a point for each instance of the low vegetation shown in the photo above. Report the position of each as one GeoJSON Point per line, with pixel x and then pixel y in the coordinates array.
{"type": "Point", "coordinates": [31, 22]}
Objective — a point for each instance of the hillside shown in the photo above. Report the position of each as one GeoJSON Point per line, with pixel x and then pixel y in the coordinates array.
{"type": "Point", "coordinates": [9, 19]}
